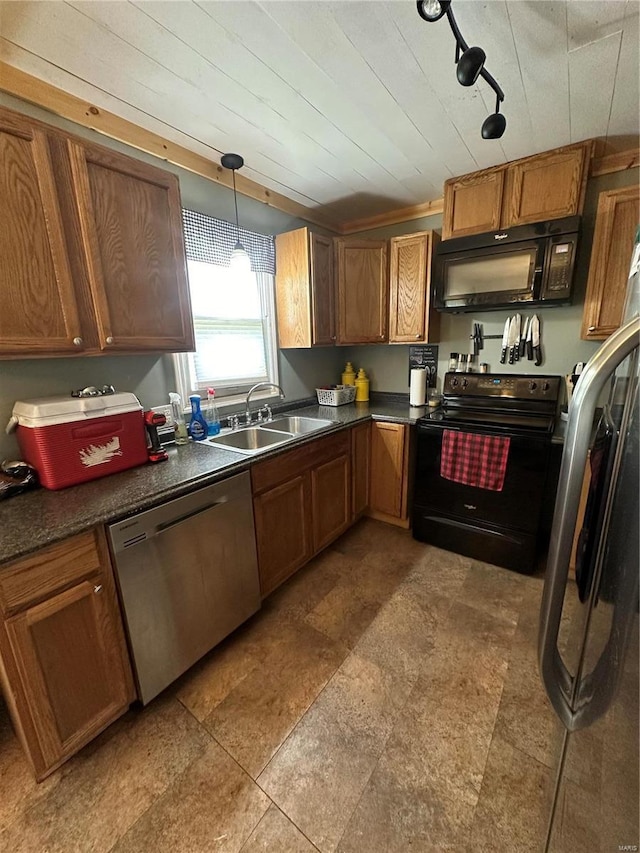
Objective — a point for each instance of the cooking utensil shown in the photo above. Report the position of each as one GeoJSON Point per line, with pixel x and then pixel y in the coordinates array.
{"type": "Point", "coordinates": [535, 339]}
{"type": "Point", "coordinates": [513, 338]}
{"type": "Point", "coordinates": [523, 337]}
{"type": "Point", "coordinates": [505, 340]}
{"type": "Point", "coordinates": [529, 341]}
{"type": "Point", "coordinates": [516, 355]}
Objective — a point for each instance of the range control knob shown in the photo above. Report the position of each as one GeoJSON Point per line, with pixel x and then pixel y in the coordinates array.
{"type": "Point", "coordinates": [533, 385]}
{"type": "Point", "coordinates": [454, 383]}
{"type": "Point", "coordinates": [465, 382]}
{"type": "Point", "coordinates": [545, 386]}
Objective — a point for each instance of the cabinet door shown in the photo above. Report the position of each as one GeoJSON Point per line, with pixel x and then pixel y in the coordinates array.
{"type": "Point", "coordinates": [360, 467]}
{"type": "Point", "coordinates": [363, 289]}
{"type": "Point", "coordinates": [331, 500]}
{"type": "Point", "coordinates": [283, 535]}
{"type": "Point", "coordinates": [131, 221]}
{"type": "Point", "coordinates": [293, 289]}
{"type": "Point", "coordinates": [70, 674]}
{"type": "Point", "coordinates": [411, 318]}
{"type": "Point", "coordinates": [546, 186]}
{"type": "Point", "coordinates": [473, 203]}
{"type": "Point", "coordinates": [38, 311]}
{"type": "Point", "coordinates": [323, 290]}
{"type": "Point", "coordinates": [613, 240]}
{"type": "Point", "coordinates": [387, 493]}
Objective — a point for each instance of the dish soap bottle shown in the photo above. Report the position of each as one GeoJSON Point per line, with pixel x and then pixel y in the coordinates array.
{"type": "Point", "coordinates": [197, 424]}
{"type": "Point", "coordinates": [180, 426]}
{"type": "Point", "coordinates": [362, 387]}
{"type": "Point", "coordinates": [211, 413]}
{"type": "Point", "coordinates": [349, 375]}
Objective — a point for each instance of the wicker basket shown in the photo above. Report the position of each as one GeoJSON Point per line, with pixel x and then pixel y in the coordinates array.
{"type": "Point", "coordinates": [337, 396]}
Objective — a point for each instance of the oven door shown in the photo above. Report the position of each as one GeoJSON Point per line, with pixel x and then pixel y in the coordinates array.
{"type": "Point", "coordinates": [491, 277]}
{"type": "Point", "coordinates": [496, 526]}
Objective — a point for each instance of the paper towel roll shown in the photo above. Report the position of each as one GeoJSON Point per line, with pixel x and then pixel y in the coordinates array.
{"type": "Point", "coordinates": [418, 387]}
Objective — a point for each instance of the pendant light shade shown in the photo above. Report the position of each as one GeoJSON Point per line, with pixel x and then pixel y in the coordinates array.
{"type": "Point", "coordinates": [470, 65]}
{"type": "Point", "coordinates": [240, 261]}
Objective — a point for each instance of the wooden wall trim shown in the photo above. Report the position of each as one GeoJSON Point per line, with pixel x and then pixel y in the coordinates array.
{"type": "Point", "coordinates": [618, 162]}
{"type": "Point", "coordinates": [393, 217]}
{"type": "Point", "coordinates": [54, 100]}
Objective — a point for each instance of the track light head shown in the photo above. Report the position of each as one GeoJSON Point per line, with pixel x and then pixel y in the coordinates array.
{"type": "Point", "coordinates": [470, 65]}
{"type": "Point", "coordinates": [494, 126]}
{"type": "Point", "coordinates": [432, 10]}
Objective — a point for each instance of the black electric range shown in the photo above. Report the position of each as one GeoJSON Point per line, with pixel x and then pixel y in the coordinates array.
{"type": "Point", "coordinates": [486, 419]}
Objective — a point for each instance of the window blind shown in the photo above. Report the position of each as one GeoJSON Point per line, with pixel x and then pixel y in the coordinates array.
{"type": "Point", "coordinates": [212, 240]}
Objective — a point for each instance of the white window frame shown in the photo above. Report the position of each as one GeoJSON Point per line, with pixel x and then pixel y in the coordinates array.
{"type": "Point", "coordinates": [230, 394]}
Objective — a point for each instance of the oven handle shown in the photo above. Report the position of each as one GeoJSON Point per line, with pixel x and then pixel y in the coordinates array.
{"type": "Point", "coordinates": [556, 678]}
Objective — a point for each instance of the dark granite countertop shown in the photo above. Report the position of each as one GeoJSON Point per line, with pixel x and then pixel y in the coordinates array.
{"type": "Point", "coordinates": [35, 519]}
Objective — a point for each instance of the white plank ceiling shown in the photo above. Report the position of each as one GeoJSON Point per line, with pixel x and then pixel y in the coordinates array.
{"type": "Point", "coordinates": [351, 108]}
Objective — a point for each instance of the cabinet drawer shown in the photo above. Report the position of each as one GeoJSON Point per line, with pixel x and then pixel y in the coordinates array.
{"type": "Point", "coordinates": [49, 570]}
{"type": "Point", "coordinates": [287, 465]}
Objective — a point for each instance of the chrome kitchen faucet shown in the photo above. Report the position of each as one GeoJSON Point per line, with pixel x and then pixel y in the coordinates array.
{"type": "Point", "coordinates": [267, 408]}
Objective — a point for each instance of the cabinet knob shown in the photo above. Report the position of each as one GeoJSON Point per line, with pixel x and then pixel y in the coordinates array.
{"type": "Point", "coordinates": [97, 588]}
{"type": "Point", "coordinates": [109, 340]}
{"type": "Point", "coordinates": [417, 336]}
{"type": "Point", "coordinates": [333, 337]}
{"type": "Point", "coordinates": [77, 342]}
{"type": "Point", "coordinates": [592, 328]}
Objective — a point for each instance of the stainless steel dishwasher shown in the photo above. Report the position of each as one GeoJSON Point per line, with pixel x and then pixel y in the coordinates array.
{"type": "Point", "coordinates": [188, 575]}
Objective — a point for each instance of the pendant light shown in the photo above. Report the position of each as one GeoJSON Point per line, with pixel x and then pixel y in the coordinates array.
{"type": "Point", "coordinates": [240, 261]}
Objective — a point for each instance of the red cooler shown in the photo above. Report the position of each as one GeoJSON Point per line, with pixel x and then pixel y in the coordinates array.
{"type": "Point", "coordinates": [71, 440]}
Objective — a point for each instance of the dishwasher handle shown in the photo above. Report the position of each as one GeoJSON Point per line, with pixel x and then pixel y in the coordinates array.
{"type": "Point", "coordinates": [168, 525]}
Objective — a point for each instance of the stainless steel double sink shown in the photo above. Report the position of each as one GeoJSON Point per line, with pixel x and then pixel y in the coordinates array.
{"type": "Point", "coordinates": [270, 434]}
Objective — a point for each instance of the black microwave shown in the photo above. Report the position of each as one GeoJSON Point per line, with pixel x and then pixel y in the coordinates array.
{"type": "Point", "coordinates": [524, 265]}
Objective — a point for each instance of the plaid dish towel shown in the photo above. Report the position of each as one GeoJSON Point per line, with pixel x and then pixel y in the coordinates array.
{"type": "Point", "coordinates": [475, 460]}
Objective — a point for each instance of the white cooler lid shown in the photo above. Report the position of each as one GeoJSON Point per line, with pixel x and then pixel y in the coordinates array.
{"type": "Point", "coordinates": [49, 411]}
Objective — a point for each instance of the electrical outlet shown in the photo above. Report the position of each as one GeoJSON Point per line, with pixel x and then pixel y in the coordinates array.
{"type": "Point", "coordinates": [164, 410]}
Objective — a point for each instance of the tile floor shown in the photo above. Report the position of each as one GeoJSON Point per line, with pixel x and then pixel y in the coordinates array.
{"type": "Point", "coordinates": [386, 699]}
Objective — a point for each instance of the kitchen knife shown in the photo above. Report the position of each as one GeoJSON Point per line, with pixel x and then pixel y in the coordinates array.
{"type": "Point", "coordinates": [535, 340]}
{"type": "Point", "coordinates": [523, 337]}
{"type": "Point", "coordinates": [513, 338]}
{"type": "Point", "coordinates": [529, 341]}
{"type": "Point", "coordinates": [516, 354]}
{"type": "Point", "coordinates": [505, 340]}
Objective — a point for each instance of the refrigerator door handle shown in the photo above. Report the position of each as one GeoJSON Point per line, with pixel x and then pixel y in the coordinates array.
{"type": "Point", "coordinates": [555, 676]}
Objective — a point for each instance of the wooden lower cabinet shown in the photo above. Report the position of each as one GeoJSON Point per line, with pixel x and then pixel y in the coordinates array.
{"type": "Point", "coordinates": [301, 502]}
{"type": "Point", "coordinates": [360, 468]}
{"type": "Point", "coordinates": [388, 491]}
{"type": "Point", "coordinates": [283, 531]}
{"type": "Point", "coordinates": [63, 657]}
{"type": "Point", "coordinates": [330, 500]}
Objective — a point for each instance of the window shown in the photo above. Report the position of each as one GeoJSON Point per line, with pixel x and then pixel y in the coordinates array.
{"type": "Point", "coordinates": [233, 313]}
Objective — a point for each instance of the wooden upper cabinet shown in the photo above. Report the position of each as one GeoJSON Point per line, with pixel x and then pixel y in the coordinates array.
{"type": "Point", "coordinates": [411, 316]}
{"type": "Point", "coordinates": [613, 240]}
{"type": "Point", "coordinates": [38, 311]}
{"type": "Point", "coordinates": [305, 289]}
{"type": "Point", "coordinates": [131, 220]}
{"type": "Point", "coordinates": [363, 291]}
{"type": "Point", "coordinates": [63, 655]}
{"type": "Point", "coordinates": [546, 186]}
{"type": "Point", "coordinates": [473, 203]}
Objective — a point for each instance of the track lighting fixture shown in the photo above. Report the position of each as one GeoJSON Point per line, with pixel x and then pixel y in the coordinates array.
{"type": "Point", "coordinates": [469, 63]}
{"type": "Point", "coordinates": [240, 261]}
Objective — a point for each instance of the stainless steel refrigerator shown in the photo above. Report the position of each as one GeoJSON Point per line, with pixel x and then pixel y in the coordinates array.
{"type": "Point", "coordinates": [588, 640]}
